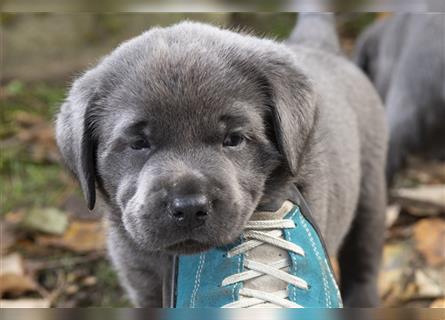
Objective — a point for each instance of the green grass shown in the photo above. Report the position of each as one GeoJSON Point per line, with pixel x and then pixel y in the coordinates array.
{"type": "Point", "coordinates": [29, 185]}
{"type": "Point", "coordinates": [39, 99]}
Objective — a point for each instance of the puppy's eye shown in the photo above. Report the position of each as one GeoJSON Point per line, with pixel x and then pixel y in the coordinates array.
{"type": "Point", "coordinates": [140, 144]}
{"type": "Point", "coordinates": [233, 140]}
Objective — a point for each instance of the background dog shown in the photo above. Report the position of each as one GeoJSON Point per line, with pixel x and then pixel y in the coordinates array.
{"type": "Point", "coordinates": [183, 132]}
{"type": "Point", "coordinates": [404, 57]}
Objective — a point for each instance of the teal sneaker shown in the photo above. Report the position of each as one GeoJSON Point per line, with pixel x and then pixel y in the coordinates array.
{"type": "Point", "coordinates": [279, 261]}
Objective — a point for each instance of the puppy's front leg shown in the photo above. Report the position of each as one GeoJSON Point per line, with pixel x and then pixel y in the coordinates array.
{"type": "Point", "coordinates": [144, 287]}
{"type": "Point", "coordinates": [140, 272]}
{"type": "Point", "coordinates": [360, 254]}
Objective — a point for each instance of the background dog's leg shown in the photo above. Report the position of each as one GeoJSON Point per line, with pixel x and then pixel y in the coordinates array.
{"type": "Point", "coordinates": [360, 254]}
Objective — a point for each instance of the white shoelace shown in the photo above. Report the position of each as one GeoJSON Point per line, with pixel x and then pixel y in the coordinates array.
{"type": "Point", "coordinates": [256, 236]}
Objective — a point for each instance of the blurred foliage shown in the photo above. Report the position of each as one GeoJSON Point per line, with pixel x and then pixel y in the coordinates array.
{"type": "Point", "coordinates": [33, 44]}
{"type": "Point", "coordinates": [273, 25]}
{"type": "Point", "coordinates": [38, 98]}
{"type": "Point", "coordinates": [258, 5]}
{"type": "Point", "coordinates": [27, 181]}
{"type": "Point", "coordinates": [7, 19]}
{"type": "Point", "coordinates": [350, 25]}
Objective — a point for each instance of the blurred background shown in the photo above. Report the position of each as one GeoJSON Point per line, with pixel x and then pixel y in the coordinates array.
{"type": "Point", "coordinates": [52, 247]}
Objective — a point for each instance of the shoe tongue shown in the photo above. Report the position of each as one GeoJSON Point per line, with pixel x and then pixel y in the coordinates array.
{"type": "Point", "coordinates": [285, 208]}
{"type": "Point", "coordinates": [267, 253]}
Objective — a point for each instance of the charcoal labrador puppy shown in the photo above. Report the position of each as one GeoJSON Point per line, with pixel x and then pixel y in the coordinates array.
{"type": "Point", "coordinates": [183, 132]}
{"type": "Point", "coordinates": [404, 56]}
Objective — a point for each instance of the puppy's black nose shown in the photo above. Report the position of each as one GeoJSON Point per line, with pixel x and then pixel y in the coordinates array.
{"type": "Point", "coordinates": [190, 211]}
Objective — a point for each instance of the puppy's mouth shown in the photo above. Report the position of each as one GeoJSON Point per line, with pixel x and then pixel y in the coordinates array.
{"type": "Point", "coordinates": [188, 246]}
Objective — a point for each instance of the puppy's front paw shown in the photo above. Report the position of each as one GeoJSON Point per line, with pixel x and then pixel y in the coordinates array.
{"type": "Point", "coordinates": [362, 295]}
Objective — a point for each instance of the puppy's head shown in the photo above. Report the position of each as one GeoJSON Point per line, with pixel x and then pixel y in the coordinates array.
{"type": "Point", "coordinates": [181, 129]}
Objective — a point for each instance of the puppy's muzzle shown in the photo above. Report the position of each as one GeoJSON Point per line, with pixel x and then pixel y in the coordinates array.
{"type": "Point", "coordinates": [190, 211]}
{"type": "Point", "coordinates": [189, 204]}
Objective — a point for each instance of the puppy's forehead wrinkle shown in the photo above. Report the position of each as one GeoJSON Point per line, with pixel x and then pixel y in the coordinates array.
{"type": "Point", "coordinates": [176, 75]}
{"type": "Point", "coordinates": [173, 62]}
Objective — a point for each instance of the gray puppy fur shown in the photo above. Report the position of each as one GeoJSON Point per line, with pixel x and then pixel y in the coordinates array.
{"type": "Point", "coordinates": [405, 58]}
{"type": "Point", "coordinates": [232, 122]}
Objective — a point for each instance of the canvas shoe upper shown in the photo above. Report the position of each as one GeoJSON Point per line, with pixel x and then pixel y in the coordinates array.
{"type": "Point", "coordinates": [279, 261]}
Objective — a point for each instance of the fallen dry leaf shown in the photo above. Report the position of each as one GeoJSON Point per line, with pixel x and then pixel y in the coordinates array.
{"type": "Point", "coordinates": [81, 236]}
{"type": "Point", "coordinates": [89, 281]}
{"type": "Point", "coordinates": [14, 217]}
{"type": "Point", "coordinates": [409, 292]}
{"type": "Point", "coordinates": [439, 303]}
{"type": "Point", "coordinates": [428, 197]}
{"type": "Point", "coordinates": [47, 220]}
{"type": "Point", "coordinates": [429, 236]}
{"type": "Point", "coordinates": [392, 213]}
{"type": "Point", "coordinates": [72, 289]}
{"type": "Point", "coordinates": [38, 134]}
{"type": "Point", "coordinates": [26, 119]}
{"type": "Point", "coordinates": [7, 236]}
{"type": "Point", "coordinates": [25, 303]}
{"type": "Point", "coordinates": [393, 277]}
{"type": "Point", "coordinates": [400, 282]}
{"type": "Point", "coordinates": [429, 283]}
{"type": "Point", "coordinates": [16, 284]}
{"type": "Point", "coordinates": [12, 276]}
{"type": "Point", "coordinates": [12, 263]}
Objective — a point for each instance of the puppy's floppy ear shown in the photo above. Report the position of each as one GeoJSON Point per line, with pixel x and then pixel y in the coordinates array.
{"type": "Point", "coordinates": [74, 133]}
{"type": "Point", "coordinates": [290, 98]}
{"type": "Point", "coordinates": [293, 110]}
{"type": "Point", "coordinates": [87, 173]}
